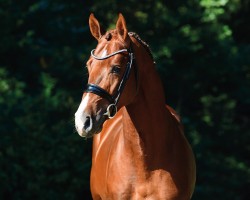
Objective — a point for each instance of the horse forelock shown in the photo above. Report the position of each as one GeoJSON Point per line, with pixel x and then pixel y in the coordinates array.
{"type": "Point", "coordinates": [108, 36]}
{"type": "Point", "coordinates": [110, 42]}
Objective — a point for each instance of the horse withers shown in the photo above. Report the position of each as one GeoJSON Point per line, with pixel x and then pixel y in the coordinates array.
{"type": "Point", "coordinates": [139, 148]}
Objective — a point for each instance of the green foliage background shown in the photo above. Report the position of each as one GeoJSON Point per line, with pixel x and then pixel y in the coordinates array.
{"type": "Point", "coordinates": [202, 52]}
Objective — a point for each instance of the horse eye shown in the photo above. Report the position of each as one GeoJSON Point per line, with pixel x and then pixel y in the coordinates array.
{"type": "Point", "coordinates": [116, 69]}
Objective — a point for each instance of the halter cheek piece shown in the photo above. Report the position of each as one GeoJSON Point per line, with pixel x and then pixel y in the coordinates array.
{"type": "Point", "coordinates": [113, 100]}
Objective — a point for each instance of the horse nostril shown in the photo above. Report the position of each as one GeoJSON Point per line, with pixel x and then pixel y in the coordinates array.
{"type": "Point", "coordinates": [88, 123]}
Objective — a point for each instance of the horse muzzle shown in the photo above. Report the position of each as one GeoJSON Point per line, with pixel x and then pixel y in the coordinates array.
{"type": "Point", "coordinates": [87, 126]}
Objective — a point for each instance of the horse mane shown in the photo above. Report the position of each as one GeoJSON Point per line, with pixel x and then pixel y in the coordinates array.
{"type": "Point", "coordinates": [143, 43]}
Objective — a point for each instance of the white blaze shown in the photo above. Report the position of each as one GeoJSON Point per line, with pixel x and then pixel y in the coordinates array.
{"type": "Point", "coordinates": [104, 53]}
{"type": "Point", "coordinates": [78, 115]}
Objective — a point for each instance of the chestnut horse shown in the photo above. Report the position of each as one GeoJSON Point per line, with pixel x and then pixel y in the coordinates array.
{"type": "Point", "coordinates": [139, 148]}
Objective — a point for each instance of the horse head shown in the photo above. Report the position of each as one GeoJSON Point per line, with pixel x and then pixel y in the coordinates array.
{"type": "Point", "coordinates": [110, 85]}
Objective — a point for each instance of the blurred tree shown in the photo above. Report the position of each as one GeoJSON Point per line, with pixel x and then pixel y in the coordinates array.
{"type": "Point", "coordinates": [41, 157]}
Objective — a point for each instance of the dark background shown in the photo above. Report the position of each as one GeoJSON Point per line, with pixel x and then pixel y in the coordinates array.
{"type": "Point", "coordinates": [202, 52]}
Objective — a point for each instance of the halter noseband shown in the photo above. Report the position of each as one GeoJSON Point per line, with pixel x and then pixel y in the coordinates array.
{"type": "Point", "coordinates": [113, 100]}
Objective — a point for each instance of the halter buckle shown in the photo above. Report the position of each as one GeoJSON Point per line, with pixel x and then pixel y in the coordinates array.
{"type": "Point", "coordinates": [111, 111]}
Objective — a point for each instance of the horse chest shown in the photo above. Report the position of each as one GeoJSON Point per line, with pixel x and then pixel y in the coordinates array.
{"type": "Point", "coordinates": [110, 165]}
{"type": "Point", "coordinates": [117, 174]}
{"type": "Point", "coordinates": [127, 183]}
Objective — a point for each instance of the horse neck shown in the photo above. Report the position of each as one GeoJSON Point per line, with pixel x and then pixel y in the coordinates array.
{"type": "Point", "coordinates": [148, 113]}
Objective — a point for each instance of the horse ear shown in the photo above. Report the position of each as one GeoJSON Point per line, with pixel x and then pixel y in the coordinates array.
{"type": "Point", "coordinates": [121, 27]}
{"type": "Point", "coordinates": [95, 27]}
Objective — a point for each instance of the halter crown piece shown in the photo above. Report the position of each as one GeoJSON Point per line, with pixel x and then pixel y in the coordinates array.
{"type": "Point", "coordinates": [113, 100]}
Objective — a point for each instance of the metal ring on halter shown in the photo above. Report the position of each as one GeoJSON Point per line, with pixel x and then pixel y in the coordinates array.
{"type": "Point", "coordinates": [111, 111]}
